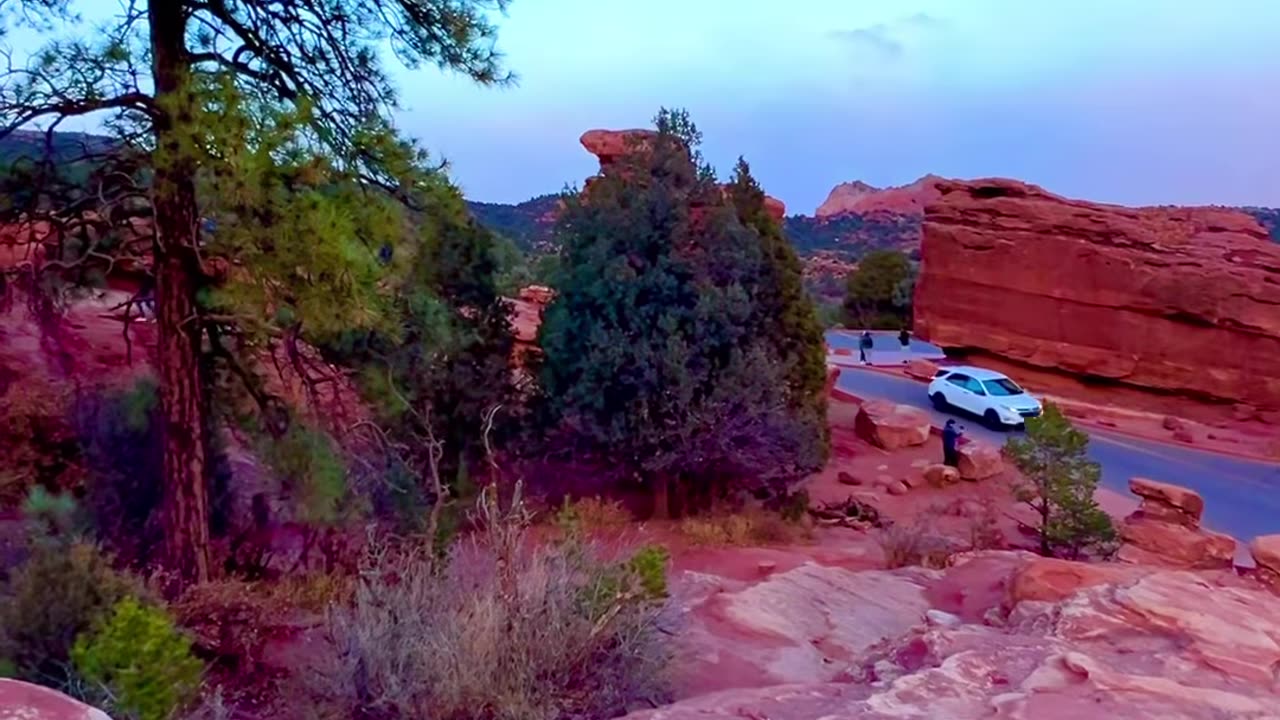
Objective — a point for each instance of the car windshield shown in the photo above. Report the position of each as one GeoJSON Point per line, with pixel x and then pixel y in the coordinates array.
{"type": "Point", "coordinates": [1003, 387]}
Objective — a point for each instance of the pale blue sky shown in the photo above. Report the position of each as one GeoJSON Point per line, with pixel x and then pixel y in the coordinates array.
{"type": "Point", "coordinates": [1132, 101]}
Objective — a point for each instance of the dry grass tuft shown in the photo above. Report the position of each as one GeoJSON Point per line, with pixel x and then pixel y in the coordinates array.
{"type": "Point", "coordinates": [748, 528]}
{"type": "Point", "coordinates": [503, 628]}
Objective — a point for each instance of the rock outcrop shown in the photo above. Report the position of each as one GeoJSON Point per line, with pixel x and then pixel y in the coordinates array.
{"type": "Point", "coordinates": [891, 426]}
{"type": "Point", "coordinates": [1165, 530]}
{"type": "Point", "coordinates": [24, 701]}
{"type": "Point", "coordinates": [978, 461]}
{"type": "Point", "coordinates": [1177, 300]}
{"type": "Point", "coordinates": [1265, 550]}
{"type": "Point", "coordinates": [1067, 640]}
{"type": "Point", "coordinates": [610, 146]}
{"type": "Point", "coordinates": [860, 198]}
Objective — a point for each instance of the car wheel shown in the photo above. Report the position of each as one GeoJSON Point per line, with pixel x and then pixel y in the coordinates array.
{"type": "Point", "coordinates": [939, 401]}
{"type": "Point", "coordinates": [992, 420]}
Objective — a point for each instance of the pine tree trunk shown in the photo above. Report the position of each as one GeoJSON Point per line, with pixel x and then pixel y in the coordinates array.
{"type": "Point", "coordinates": [661, 497]}
{"type": "Point", "coordinates": [185, 505]}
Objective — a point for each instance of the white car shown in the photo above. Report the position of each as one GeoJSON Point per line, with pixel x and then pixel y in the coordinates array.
{"type": "Point", "coordinates": [999, 401]}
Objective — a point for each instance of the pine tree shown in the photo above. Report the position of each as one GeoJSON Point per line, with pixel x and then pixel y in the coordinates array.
{"type": "Point", "coordinates": [653, 359]}
{"type": "Point", "coordinates": [1060, 483]}
{"type": "Point", "coordinates": [149, 74]}
{"type": "Point", "coordinates": [789, 320]}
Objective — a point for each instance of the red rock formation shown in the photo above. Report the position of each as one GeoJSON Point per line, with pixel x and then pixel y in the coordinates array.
{"type": "Point", "coordinates": [860, 198]}
{"type": "Point", "coordinates": [611, 145]}
{"type": "Point", "coordinates": [891, 426]}
{"type": "Point", "coordinates": [1178, 300]}
{"type": "Point", "coordinates": [1165, 530]}
{"type": "Point", "coordinates": [978, 461]}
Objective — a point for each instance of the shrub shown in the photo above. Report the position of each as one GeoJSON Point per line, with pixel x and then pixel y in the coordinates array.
{"type": "Point", "coordinates": [121, 440]}
{"type": "Point", "coordinates": [501, 629]}
{"type": "Point", "coordinates": [751, 527]}
{"type": "Point", "coordinates": [59, 593]}
{"type": "Point", "coordinates": [592, 513]}
{"type": "Point", "coordinates": [39, 444]}
{"type": "Point", "coordinates": [139, 656]}
{"type": "Point", "coordinates": [906, 544]}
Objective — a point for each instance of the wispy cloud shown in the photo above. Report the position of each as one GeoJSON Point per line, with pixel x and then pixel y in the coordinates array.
{"type": "Point", "coordinates": [886, 39]}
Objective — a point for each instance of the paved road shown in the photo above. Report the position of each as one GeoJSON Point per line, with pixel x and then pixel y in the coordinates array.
{"type": "Point", "coordinates": [1242, 497]}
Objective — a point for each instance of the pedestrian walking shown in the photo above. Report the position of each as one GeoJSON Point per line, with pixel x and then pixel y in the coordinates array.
{"type": "Point", "coordinates": [904, 339]}
{"type": "Point", "coordinates": [864, 347]}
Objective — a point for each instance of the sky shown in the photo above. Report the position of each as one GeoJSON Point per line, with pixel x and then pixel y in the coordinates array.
{"type": "Point", "coordinates": [1128, 101]}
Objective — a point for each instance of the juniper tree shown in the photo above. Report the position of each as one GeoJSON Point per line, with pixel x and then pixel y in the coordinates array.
{"type": "Point", "coordinates": [653, 359]}
{"type": "Point", "coordinates": [156, 75]}
{"type": "Point", "coordinates": [788, 319]}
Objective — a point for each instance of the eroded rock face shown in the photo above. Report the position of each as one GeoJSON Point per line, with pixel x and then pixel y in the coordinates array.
{"type": "Point", "coordinates": [23, 701]}
{"type": "Point", "coordinates": [1265, 550]}
{"type": "Point", "coordinates": [891, 426]}
{"type": "Point", "coordinates": [1165, 530]}
{"type": "Point", "coordinates": [1079, 642]}
{"type": "Point", "coordinates": [1149, 297]}
{"type": "Point", "coordinates": [610, 146]}
{"type": "Point", "coordinates": [859, 197]}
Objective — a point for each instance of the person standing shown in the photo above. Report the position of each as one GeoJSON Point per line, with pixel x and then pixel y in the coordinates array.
{"type": "Point", "coordinates": [951, 434]}
{"type": "Point", "coordinates": [864, 347]}
{"type": "Point", "coordinates": [904, 339]}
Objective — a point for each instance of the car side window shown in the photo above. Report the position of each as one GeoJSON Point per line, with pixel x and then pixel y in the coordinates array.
{"type": "Point", "coordinates": [975, 387]}
{"type": "Point", "coordinates": [959, 380]}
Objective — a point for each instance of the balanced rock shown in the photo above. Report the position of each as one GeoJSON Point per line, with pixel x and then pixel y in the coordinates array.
{"type": "Point", "coordinates": [1165, 530]}
{"type": "Point", "coordinates": [978, 461]}
{"type": "Point", "coordinates": [1147, 297]}
{"type": "Point", "coordinates": [1167, 502]}
{"type": "Point", "coordinates": [891, 426]}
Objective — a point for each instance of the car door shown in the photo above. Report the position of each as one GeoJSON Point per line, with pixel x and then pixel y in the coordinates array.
{"type": "Point", "coordinates": [959, 393]}
{"type": "Point", "coordinates": [979, 402]}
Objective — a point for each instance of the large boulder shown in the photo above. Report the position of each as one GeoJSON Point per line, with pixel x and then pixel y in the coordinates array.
{"type": "Point", "coordinates": [1165, 530]}
{"type": "Point", "coordinates": [1167, 502]}
{"type": "Point", "coordinates": [1147, 297]}
{"type": "Point", "coordinates": [24, 701]}
{"type": "Point", "coordinates": [979, 461]}
{"type": "Point", "coordinates": [891, 426]}
{"type": "Point", "coordinates": [1155, 542]}
{"type": "Point", "coordinates": [1265, 550]}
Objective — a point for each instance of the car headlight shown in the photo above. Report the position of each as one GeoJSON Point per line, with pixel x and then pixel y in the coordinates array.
{"type": "Point", "coordinates": [1011, 414]}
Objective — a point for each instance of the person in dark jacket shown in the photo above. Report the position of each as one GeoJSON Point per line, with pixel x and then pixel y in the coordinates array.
{"type": "Point", "coordinates": [904, 339]}
{"type": "Point", "coordinates": [864, 347]}
{"type": "Point", "coordinates": [951, 434]}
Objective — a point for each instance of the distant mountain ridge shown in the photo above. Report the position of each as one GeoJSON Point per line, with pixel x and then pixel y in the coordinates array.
{"type": "Point", "coordinates": [855, 218]}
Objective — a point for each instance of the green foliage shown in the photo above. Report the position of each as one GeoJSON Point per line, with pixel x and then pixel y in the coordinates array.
{"type": "Point", "coordinates": [788, 320]}
{"type": "Point", "coordinates": [648, 566]}
{"type": "Point", "coordinates": [879, 291]}
{"type": "Point", "coordinates": [1059, 485]}
{"type": "Point", "coordinates": [121, 440]}
{"type": "Point", "coordinates": [527, 225]}
{"type": "Point", "coordinates": [142, 658]}
{"type": "Point", "coordinates": [652, 354]}
{"type": "Point", "coordinates": [53, 515]}
{"type": "Point", "coordinates": [313, 472]}
{"type": "Point", "coordinates": [59, 593]}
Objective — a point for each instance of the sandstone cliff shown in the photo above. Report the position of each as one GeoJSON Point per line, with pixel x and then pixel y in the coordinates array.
{"type": "Point", "coordinates": [859, 197]}
{"type": "Point", "coordinates": [1175, 300]}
